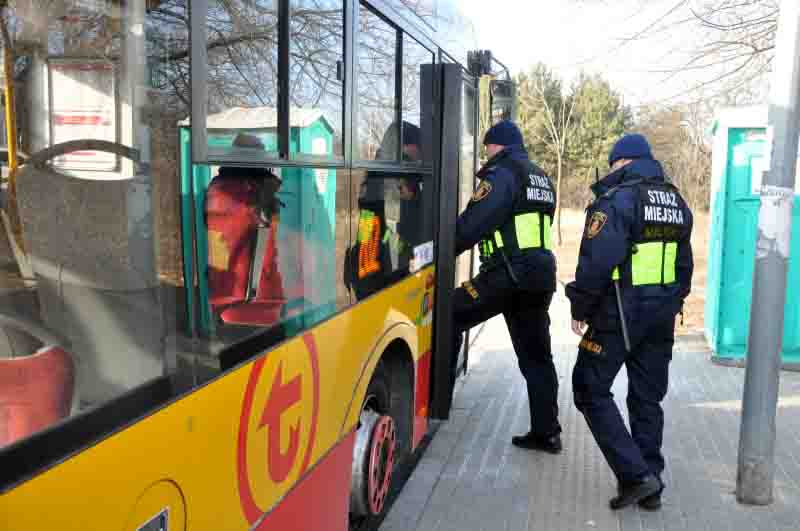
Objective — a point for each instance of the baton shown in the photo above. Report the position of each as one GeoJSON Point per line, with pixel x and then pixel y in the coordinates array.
{"type": "Point", "coordinates": [622, 317]}
{"type": "Point", "coordinates": [509, 269]}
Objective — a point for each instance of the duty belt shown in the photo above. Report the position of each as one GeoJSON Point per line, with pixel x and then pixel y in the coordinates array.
{"type": "Point", "coordinates": [652, 263]}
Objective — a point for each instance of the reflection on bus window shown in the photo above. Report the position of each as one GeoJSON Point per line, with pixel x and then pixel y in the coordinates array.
{"type": "Point", "coordinates": [426, 10]}
{"type": "Point", "coordinates": [416, 96]}
{"type": "Point", "coordinates": [242, 76]}
{"type": "Point", "coordinates": [392, 221]}
{"type": "Point", "coordinates": [90, 258]}
{"type": "Point", "coordinates": [377, 125]}
{"type": "Point", "coordinates": [271, 238]}
{"type": "Point", "coordinates": [317, 74]}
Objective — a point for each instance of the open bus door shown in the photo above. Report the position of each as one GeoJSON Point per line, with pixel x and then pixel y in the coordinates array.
{"type": "Point", "coordinates": [456, 113]}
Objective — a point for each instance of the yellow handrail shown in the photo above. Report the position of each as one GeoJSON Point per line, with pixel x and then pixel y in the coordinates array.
{"type": "Point", "coordinates": [11, 133]}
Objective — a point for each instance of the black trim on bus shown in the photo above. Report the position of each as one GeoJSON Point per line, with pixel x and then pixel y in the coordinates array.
{"type": "Point", "coordinates": [398, 91]}
{"type": "Point", "coordinates": [443, 368]}
{"type": "Point", "coordinates": [283, 78]}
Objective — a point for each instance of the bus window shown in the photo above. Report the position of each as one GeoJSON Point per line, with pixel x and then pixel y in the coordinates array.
{"type": "Point", "coordinates": [272, 238]}
{"type": "Point", "coordinates": [316, 78]}
{"type": "Point", "coordinates": [90, 256]}
{"type": "Point", "coordinates": [242, 78]}
{"type": "Point", "coordinates": [389, 224]}
{"type": "Point", "coordinates": [377, 127]}
{"type": "Point", "coordinates": [416, 99]}
{"type": "Point", "coordinates": [393, 223]}
{"type": "Point", "coordinates": [425, 10]}
{"type": "Point", "coordinates": [466, 184]}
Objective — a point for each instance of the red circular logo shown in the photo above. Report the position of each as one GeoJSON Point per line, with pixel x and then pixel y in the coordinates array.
{"type": "Point", "coordinates": [285, 391]}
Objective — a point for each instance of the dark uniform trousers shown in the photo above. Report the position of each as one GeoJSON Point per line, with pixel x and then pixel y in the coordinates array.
{"type": "Point", "coordinates": [492, 293]}
{"type": "Point", "coordinates": [631, 455]}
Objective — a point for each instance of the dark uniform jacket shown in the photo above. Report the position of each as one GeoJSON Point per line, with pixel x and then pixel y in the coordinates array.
{"type": "Point", "coordinates": [615, 222]}
{"type": "Point", "coordinates": [491, 207]}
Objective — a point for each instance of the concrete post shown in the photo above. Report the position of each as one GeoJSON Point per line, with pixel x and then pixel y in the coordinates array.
{"type": "Point", "coordinates": [756, 470]}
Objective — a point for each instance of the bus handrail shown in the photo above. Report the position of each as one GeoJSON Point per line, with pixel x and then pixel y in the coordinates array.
{"type": "Point", "coordinates": [41, 157]}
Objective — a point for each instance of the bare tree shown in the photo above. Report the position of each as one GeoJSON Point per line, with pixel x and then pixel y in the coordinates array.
{"type": "Point", "coordinates": [730, 45]}
{"type": "Point", "coordinates": [677, 136]}
{"type": "Point", "coordinates": [546, 117]}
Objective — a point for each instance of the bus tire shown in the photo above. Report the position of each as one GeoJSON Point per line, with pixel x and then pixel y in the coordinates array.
{"type": "Point", "coordinates": [375, 451]}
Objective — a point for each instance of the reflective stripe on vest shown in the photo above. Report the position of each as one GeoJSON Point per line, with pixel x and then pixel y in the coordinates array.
{"type": "Point", "coordinates": [528, 231]}
{"type": "Point", "coordinates": [369, 238]}
{"type": "Point", "coordinates": [652, 263]}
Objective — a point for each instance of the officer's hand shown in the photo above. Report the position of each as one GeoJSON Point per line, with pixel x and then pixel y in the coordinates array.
{"type": "Point", "coordinates": [578, 327]}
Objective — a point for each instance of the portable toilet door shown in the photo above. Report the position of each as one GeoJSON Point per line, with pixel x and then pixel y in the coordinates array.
{"type": "Point", "coordinates": [741, 151]}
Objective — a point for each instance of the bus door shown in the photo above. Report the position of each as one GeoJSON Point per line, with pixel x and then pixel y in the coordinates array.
{"type": "Point", "coordinates": [457, 115]}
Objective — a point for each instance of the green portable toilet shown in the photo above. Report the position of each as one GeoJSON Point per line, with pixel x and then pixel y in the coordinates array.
{"type": "Point", "coordinates": [306, 233]}
{"type": "Point", "coordinates": [740, 156]}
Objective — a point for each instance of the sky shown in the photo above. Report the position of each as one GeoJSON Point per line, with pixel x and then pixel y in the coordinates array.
{"type": "Point", "coordinates": [594, 36]}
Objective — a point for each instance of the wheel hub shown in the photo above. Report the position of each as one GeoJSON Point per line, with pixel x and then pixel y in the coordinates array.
{"type": "Point", "coordinates": [373, 463]}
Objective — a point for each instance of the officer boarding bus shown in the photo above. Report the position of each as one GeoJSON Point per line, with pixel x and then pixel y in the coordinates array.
{"type": "Point", "coordinates": [227, 256]}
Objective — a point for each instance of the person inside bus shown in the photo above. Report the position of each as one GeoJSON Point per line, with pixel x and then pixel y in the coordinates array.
{"type": "Point", "coordinates": [390, 219]}
{"type": "Point", "coordinates": [242, 213]}
{"type": "Point", "coordinates": [509, 218]}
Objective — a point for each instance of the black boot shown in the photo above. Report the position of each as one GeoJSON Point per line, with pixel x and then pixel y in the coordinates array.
{"type": "Point", "coordinates": [632, 493]}
{"type": "Point", "coordinates": [546, 443]}
{"type": "Point", "coordinates": [653, 503]}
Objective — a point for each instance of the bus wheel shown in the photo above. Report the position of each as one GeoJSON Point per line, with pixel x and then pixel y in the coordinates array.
{"type": "Point", "coordinates": [373, 454]}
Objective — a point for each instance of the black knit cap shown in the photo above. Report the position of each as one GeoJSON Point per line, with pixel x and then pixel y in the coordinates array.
{"type": "Point", "coordinates": [504, 133]}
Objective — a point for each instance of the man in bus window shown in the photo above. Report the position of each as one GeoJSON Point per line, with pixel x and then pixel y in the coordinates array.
{"type": "Point", "coordinates": [509, 217]}
{"type": "Point", "coordinates": [634, 271]}
{"type": "Point", "coordinates": [390, 219]}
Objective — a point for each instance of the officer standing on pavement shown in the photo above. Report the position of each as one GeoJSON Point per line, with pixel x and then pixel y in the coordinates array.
{"type": "Point", "coordinates": [509, 217]}
{"type": "Point", "coordinates": [634, 272]}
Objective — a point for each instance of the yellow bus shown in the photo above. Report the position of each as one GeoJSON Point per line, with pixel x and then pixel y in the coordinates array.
{"type": "Point", "coordinates": [227, 256]}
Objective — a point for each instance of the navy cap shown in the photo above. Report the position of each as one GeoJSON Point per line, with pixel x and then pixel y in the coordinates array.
{"type": "Point", "coordinates": [504, 133]}
{"type": "Point", "coordinates": [633, 146]}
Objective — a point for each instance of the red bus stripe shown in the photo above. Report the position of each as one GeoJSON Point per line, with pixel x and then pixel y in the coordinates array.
{"type": "Point", "coordinates": [322, 499]}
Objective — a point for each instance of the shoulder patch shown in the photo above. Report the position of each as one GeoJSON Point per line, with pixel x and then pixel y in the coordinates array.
{"type": "Point", "coordinates": [483, 190]}
{"type": "Point", "coordinates": [596, 224]}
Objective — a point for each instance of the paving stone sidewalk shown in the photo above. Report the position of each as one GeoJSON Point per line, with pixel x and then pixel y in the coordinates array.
{"type": "Point", "coordinates": [472, 479]}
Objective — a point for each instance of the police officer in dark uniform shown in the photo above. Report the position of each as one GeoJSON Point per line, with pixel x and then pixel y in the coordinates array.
{"type": "Point", "coordinates": [634, 271]}
{"type": "Point", "coordinates": [509, 217]}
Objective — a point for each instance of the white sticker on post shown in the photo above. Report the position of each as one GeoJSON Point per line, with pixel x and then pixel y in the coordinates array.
{"type": "Point", "coordinates": [423, 255]}
{"type": "Point", "coordinates": [774, 221]}
{"type": "Point", "coordinates": [758, 166]}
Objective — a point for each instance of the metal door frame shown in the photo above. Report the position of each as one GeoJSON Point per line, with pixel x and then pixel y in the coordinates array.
{"type": "Point", "coordinates": [447, 121]}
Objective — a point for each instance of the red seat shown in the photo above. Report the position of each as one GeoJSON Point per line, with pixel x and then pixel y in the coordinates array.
{"type": "Point", "coordinates": [233, 223]}
{"type": "Point", "coordinates": [35, 392]}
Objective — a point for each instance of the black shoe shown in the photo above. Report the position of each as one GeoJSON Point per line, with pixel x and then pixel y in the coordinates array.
{"type": "Point", "coordinates": [549, 443]}
{"type": "Point", "coordinates": [636, 492]}
{"type": "Point", "coordinates": [651, 503]}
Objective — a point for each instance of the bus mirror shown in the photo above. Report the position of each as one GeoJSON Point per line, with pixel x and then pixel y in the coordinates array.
{"type": "Point", "coordinates": [503, 100]}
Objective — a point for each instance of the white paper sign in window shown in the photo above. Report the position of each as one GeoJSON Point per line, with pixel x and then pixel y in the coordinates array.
{"type": "Point", "coordinates": [84, 106]}
{"type": "Point", "coordinates": [423, 255]}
